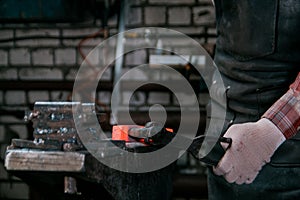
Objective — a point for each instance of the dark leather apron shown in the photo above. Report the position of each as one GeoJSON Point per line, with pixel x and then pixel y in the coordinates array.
{"type": "Point", "coordinates": [258, 55]}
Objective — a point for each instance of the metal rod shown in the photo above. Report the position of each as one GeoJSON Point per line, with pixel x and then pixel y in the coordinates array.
{"type": "Point", "coordinates": [119, 56]}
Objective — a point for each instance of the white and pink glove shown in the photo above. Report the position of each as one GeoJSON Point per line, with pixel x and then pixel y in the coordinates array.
{"type": "Point", "coordinates": [253, 144]}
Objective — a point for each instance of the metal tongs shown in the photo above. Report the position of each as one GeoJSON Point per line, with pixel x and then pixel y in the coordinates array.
{"type": "Point", "coordinates": [155, 134]}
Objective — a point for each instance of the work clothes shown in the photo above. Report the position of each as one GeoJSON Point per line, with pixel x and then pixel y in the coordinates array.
{"type": "Point", "coordinates": [257, 54]}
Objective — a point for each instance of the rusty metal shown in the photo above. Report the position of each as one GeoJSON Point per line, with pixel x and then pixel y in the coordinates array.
{"type": "Point", "coordinates": [53, 123]}
{"type": "Point", "coordinates": [20, 143]}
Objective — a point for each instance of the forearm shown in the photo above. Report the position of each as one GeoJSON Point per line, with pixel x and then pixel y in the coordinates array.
{"type": "Point", "coordinates": [285, 113]}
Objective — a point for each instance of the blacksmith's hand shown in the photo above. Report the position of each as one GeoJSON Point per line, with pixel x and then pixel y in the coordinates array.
{"type": "Point", "coordinates": [253, 144]}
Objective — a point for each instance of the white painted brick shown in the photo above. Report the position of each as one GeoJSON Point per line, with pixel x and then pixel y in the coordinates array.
{"type": "Point", "coordinates": [55, 95]}
{"type": "Point", "coordinates": [137, 43]}
{"type": "Point", "coordinates": [201, 40]}
{"type": "Point", "coordinates": [40, 74]}
{"type": "Point", "coordinates": [182, 50]}
{"type": "Point", "coordinates": [134, 16]}
{"type": "Point", "coordinates": [172, 1]}
{"type": "Point", "coordinates": [137, 99]}
{"type": "Point", "coordinates": [3, 58]}
{"type": "Point", "coordinates": [104, 97]}
{"type": "Point", "coordinates": [59, 95]}
{"type": "Point", "coordinates": [168, 76]}
{"type": "Point", "coordinates": [136, 57]}
{"type": "Point", "coordinates": [91, 54]}
{"type": "Point", "coordinates": [190, 30]}
{"type": "Point", "coordinates": [106, 76]}
{"type": "Point", "coordinates": [6, 34]}
{"type": "Point", "coordinates": [87, 74]}
{"type": "Point", "coordinates": [2, 134]}
{"type": "Point", "coordinates": [14, 191]}
{"type": "Point", "coordinates": [113, 21]}
{"type": "Point", "coordinates": [158, 98]}
{"type": "Point", "coordinates": [71, 74]}
{"type": "Point", "coordinates": [80, 32]}
{"type": "Point", "coordinates": [203, 98]}
{"type": "Point", "coordinates": [42, 57]}
{"type": "Point", "coordinates": [8, 74]}
{"type": "Point", "coordinates": [174, 42]}
{"type": "Point", "coordinates": [71, 42]}
{"type": "Point", "coordinates": [65, 56]}
{"type": "Point", "coordinates": [155, 15]}
{"type": "Point", "coordinates": [38, 96]}
{"type": "Point", "coordinates": [11, 119]}
{"type": "Point", "coordinates": [135, 74]}
{"type": "Point", "coordinates": [180, 15]}
{"type": "Point", "coordinates": [1, 99]}
{"type": "Point", "coordinates": [212, 31]}
{"type": "Point", "coordinates": [212, 40]}
{"type": "Point", "coordinates": [91, 71]}
{"type": "Point", "coordinates": [37, 32]}
{"type": "Point", "coordinates": [15, 97]}
{"type": "Point", "coordinates": [85, 51]}
{"type": "Point", "coordinates": [89, 42]}
{"type": "Point", "coordinates": [185, 99]}
{"type": "Point", "coordinates": [20, 56]}
{"type": "Point", "coordinates": [21, 130]}
{"type": "Point", "coordinates": [38, 43]}
{"type": "Point", "coordinates": [204, 15]}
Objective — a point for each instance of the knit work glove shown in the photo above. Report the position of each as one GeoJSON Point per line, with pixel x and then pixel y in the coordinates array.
{"type": "Point", "coordinates": [253, 144]}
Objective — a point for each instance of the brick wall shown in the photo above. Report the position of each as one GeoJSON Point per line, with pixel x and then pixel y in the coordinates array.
{"type": "Point", "coordinates": [41, 51]}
